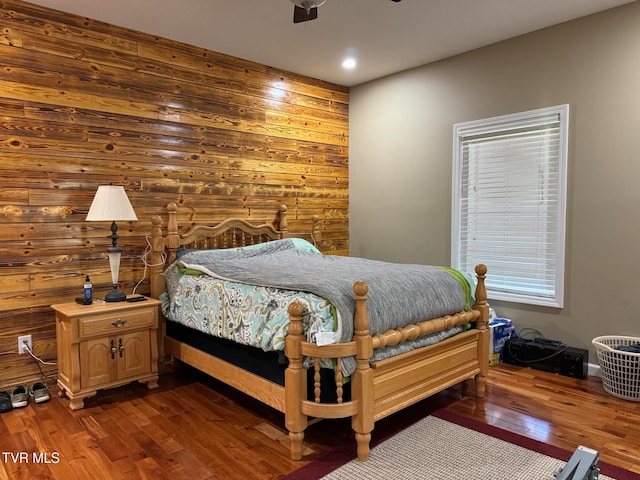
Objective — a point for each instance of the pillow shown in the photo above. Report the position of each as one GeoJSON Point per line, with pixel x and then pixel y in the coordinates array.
{"type": "Point", "coordinates": [183, 251]}
{"type": "Point", "coordinates": [299, 243]}
{"type": "Point", "coordinates": [302, 244]}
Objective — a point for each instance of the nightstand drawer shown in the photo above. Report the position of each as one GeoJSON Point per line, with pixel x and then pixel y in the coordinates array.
{"type": "Point", "coordinates": [114, 322]}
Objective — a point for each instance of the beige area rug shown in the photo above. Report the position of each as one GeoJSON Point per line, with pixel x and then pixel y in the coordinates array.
{"type": "Point", "coordinates": [437, 449]}
{"type": "Point", "coordinates": [444, 446]}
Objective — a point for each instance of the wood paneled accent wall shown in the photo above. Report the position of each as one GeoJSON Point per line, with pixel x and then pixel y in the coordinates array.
{"type": "Point", "coordinates": [84, 103]}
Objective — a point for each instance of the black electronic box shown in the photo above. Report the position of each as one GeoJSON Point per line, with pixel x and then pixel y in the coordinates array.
{"type": "Point", "coordinates": [547, 355]}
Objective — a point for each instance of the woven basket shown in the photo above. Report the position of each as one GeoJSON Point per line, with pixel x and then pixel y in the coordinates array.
{"type": "Point", "coordinates": [620, 370]}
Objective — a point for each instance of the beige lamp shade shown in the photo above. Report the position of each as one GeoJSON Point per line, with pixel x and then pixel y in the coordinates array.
{"type": "Point", "coordinates": [111, 204]}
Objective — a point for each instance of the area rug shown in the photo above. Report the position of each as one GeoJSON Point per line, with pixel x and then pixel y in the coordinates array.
{"type": "Point", "coordinates": [445, 446]}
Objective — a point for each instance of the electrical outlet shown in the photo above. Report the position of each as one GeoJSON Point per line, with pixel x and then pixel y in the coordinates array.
{"type": "Point", "coordinates": [22, 340]}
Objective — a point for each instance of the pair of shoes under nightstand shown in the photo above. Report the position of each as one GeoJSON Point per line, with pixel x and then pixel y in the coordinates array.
{"type": "Point", "coordinates": [20, 395]}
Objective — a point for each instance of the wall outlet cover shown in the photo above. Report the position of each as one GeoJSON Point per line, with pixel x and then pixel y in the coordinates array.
{"type": "Point", "coordinates": [21, 341]}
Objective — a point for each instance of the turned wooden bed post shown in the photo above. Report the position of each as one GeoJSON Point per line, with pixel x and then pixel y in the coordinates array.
{"type": "Point", "coordinates": [362, 378]}
{"type": "Point", "coordinates": [158, 261]}
{"type": "Point", "coordinates": [173, 238]}
{"type": "Point", "coordinates": [295, 380]}
{"type": "Point", "coordinates": [283, 226]}
{"type": "Point", "coordinates": [315, 230]}
{"type": "Point", "coordinates": [156, 269]}
{"type": "Point", "coordinates": [158, 244]}
{"type": "Point", "coordinates": [482, 325]}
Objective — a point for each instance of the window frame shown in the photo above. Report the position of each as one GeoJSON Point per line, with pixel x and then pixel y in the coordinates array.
{"type": "Point", "coordinates": [503, 123]}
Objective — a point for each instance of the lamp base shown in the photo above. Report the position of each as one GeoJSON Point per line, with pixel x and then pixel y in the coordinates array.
{"type": "Point", "coordinates": [115, 296]}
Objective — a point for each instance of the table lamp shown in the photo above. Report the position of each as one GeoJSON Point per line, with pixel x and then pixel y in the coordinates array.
{"type": "Point", "coordinates": [111, 204]}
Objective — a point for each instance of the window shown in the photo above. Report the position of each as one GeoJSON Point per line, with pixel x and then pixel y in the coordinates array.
{"type": "Point", "coordinates": [509, 202]}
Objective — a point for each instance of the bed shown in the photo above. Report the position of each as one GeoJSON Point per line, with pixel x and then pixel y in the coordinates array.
{"type": "Point", "coordinates": [371, 388]}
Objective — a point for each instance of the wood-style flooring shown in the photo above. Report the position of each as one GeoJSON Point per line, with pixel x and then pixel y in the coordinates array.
{"type": "Point", "coordinates": [195, 428]}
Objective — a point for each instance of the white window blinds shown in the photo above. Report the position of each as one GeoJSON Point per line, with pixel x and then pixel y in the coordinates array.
{"type": "Point", "coordinates": [509, 203]}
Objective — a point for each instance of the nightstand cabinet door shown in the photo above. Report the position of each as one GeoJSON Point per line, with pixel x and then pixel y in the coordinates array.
{"type": "Point", "coordinates": [133, 354]}
{"type": "Point", "coordinates": [98, 362]}
{"type": "Point", "coordinates": [114, 358]}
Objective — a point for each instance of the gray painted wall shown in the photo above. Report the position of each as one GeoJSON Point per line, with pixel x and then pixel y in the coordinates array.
{"type": "Point", "coordinates": [401, 154]}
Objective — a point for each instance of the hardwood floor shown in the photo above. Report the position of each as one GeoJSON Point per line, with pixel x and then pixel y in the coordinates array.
{"type": "Point", "coordinates": [559, 410]}
{"type": "Point", "coordinates": [195, 428]}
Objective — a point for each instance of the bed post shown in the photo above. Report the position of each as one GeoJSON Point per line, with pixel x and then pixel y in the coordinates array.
{"type": "Point", "coordinates": [362, 378]}
{"type": "Point", "coordinates": [156, 267]}
{"type": "Point", "coordinates": [173, 238]}
{"type": "Point", "coordinates": [315, 230]}
{"type": "Point", "coordinates": [482, 325]}
{"type": "Point", "coordinates": [283, 228]}
{"type": "Point", "coordinates": [295, 382]}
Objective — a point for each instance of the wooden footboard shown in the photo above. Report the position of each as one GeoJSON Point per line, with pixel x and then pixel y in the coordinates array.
{"type": "Point", "coordinates": [387, 386]}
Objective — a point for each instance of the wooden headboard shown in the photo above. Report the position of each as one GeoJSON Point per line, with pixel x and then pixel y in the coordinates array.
{"type": "Point", "coordinates": [230, 233]}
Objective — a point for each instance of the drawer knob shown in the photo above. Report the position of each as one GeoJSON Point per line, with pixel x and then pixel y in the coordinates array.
{"type": "Point", "coordinates": [119, 323]}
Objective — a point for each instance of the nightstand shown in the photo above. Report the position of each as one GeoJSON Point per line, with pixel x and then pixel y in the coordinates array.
{"type": "Point", "coordinates": [105, 345]}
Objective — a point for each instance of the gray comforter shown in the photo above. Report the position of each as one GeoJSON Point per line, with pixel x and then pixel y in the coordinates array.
{"type": "Point", "coordinates": [399, 294]}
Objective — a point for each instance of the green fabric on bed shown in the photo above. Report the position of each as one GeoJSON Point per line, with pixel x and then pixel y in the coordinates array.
{"type": "Point", "coordinates": [464, 283]}
{"type": "Point", "coordinates": [189, 271]}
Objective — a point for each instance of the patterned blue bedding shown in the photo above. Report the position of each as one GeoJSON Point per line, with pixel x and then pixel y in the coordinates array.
{"type": "Point", "coordinates": [247, 314]}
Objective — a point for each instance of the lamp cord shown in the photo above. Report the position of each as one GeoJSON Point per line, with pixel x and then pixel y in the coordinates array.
{"type": "Point", "coordinates": [145, 255]}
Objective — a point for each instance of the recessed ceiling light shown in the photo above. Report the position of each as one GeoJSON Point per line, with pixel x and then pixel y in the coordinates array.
{"type": "Point", "coordinates": [349, 63]}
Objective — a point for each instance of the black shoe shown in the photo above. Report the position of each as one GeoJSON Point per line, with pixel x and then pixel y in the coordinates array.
{"type": "Point", "coordinates": [5, 402]}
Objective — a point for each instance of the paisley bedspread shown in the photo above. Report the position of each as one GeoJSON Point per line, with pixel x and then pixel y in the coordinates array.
{"type": "Point", "coordinates": [247, 314]}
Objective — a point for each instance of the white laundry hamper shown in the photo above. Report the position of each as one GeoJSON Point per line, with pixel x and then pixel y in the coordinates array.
{"type": "Point", "coordinates": [620, 370]}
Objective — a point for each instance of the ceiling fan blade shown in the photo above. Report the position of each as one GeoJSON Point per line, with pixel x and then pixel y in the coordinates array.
{"type": "Point", "coordinates": [301, 14]}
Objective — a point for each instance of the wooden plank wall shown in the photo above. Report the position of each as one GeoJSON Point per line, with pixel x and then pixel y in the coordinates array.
{"type": "Point", "coordinates": [84, 103]}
